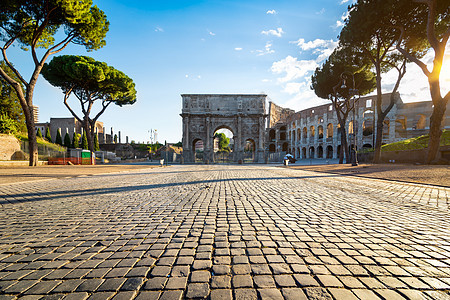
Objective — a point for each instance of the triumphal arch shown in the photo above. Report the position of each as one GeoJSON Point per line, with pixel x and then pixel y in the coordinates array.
{"type": "Point", "coordinates": [243, 115]}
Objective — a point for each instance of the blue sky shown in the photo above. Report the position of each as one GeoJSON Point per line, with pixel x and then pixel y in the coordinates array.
{"type": "Point", "coordinates": [179, 47]}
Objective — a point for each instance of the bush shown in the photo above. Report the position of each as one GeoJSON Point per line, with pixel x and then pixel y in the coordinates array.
{"type": "Point", "coordinates": [39, 133]}
{"type": "Point", "coordinates": [8, 125]}
{"type": "Point", "coordinates": [48, 136]}
{"type": "Point", "coordinates": [67, 142]}
{"type": "Point", "coordinates": [58, 138]}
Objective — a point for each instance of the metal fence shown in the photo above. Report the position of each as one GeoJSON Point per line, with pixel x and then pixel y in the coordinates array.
{"type": "Point", "coordinates": [44, 151]}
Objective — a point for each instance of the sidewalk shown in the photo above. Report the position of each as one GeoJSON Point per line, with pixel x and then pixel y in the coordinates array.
{"type": "Point", "coordinates": [16, 174]}
{"type": "Point", "coordinates": [425, 174]}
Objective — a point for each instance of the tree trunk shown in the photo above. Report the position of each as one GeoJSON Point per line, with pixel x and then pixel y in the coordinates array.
{"type": "Point", "coordinates": [32, 143]}
{"type": "Point", "coordinates": [435, 130]}
{"type": "Point", "coordinates": [378, 141]}
{"type": "Point", "coordinates": [344, 143]}
{"type": "Point", "coordinates": [380, 117]}
{"type": "Point", "coordinates": [437, 117]}
{"type": "Point", "coordinates": [87, 128]}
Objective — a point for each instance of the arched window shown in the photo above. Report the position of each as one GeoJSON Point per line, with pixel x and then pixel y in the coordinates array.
{"type": "Point", "coordinates": [329, 130]}
{"type": "Point", "coordinates": [320, 131]}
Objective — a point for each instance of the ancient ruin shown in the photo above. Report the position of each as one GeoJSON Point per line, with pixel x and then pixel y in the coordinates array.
{"type": "Point", "coordinates": [243, 115]}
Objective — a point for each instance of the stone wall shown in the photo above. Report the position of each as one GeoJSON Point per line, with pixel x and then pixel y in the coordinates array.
{"type": "Point", "coordinates": [9, 147]}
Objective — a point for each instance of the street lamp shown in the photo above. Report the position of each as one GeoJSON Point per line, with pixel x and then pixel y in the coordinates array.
{"type": "Point", "coordinates": [353, 92]}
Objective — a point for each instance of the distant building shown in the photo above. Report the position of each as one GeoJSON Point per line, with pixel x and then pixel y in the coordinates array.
{"type": "Point", "coordinates": [315, 132]}
{"type": "Point", "coordinates": [35, 113]}
{"type": "Point", "coordinates": [68, 125]}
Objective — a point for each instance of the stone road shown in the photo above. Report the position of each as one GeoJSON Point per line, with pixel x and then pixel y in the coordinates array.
{"type": "Point", "coordinates": [224, 232]}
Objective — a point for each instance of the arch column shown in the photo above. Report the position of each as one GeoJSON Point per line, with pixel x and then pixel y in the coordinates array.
{"type": "Point", "coordinates": [208, 151]}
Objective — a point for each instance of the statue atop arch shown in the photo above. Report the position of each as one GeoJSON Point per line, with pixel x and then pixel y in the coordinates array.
{"type": "Point", "coordinates": [203, 114]}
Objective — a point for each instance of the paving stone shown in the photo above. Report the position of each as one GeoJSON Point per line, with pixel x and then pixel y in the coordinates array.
{"type": "Point", "coordinates": [329, 281]}
{"type": "Point", "coordinates": [171, 295]}
{"type": "Point", "coordinates": [42, 287]}
{"type": "Point", "coordinates": [317, 293]}
{"type": "Point", "coordinates": [200, 276]}
{"type": "Point", "coordinates": [221, 269]}
{"type": "Point", "coordinates": [305, 280]}
{"type": "Point", "coordinates": [270, 294]}
{"type": "Point", "coordinates": [162, 227]}
{"type": "Point", "coordinates": [132, 284]}
{"type": "Point", "coordinates": [111, 284]}
{"type": "Point", "coordinates": [389, 294]}
{"type": "Point", "coordinates": [245, 294]}
{"type": "Point", "coordinates": [89, 285]}
{"type": "Point", "coordinates": [176, 283]}
{"type": "Point", "coordinates": [285, 281]}
{"type": "Point", "coordinates": [155, 283]}
{"type": "Point", "coordinates": [242, 281]}
{"type": "Point", "coordinates": [223, 282]}
{"type": "Point", "coordinates": [342, 294]}
{"type": "Point", "coordinates": [365, 294]}
{"type": "Point", "coordinates": [221, 294]}
{"type": "Point", "coordinates": [293, 294]}
{"type": "Point", "coordinates": [197, 290]}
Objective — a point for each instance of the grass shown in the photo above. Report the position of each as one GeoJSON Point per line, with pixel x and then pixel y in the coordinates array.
{"type": "Point", "coordinates": [417, 143]}
{"type": "Point", "coordinates": [42, 142]}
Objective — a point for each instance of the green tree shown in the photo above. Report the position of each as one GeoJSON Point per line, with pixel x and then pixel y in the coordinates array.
{"type": "Point", "coordinates": [58, 139]}
{"type": "Point", "coordinates": [223, 142]}
{"type": "Point", "coordinates": [368, 31]}
{"type": "Point", "coordinates": [48, 136]}
{"type": "Point", "coordinates": [67, 142]}
{"type": "Point", "coordinates": [7, 125]}
{"type": "Point", "coordinates": [9, 103]}
{"type": "Point", "coordinates": [426, 26]}
{"type": "Point", "coordinates": [96, 145]}
{"type": "Point", "coordinates": [90, 81]}
{"type": "Point", "coordinates": [84, 141]}
{"type": "Point", "coordinates": [39, 133]}
{"type": "Point", "coordinates": [75, 140]}
{"type": "Point", "coordinates": [327, 82]}
{"type": "Point", "coordinates": [38, 24]}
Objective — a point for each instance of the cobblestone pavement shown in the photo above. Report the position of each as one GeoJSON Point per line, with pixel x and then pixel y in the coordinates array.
{"type": "Point", "coordinates": [223, 232]}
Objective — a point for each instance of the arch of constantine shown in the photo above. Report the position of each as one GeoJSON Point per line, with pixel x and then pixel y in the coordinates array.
{"type": "Point", "coordinates": [204, 114]}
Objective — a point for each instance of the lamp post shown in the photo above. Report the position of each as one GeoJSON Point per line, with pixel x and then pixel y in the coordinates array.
{"type": "Point", "coordinates": [353, 92]}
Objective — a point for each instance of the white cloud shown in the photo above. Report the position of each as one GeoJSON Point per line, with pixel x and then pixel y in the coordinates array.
{"type": "Point", "coordinates": [344, 1]}
{"type": "Point", "coordinates": [321, 12]}
{"type": "Point", "coordinates": [266, 80]}
{"type": "Point", "coordinates": [212, 33]}
{"type": "Point", "coordinates": [271, 12]}
{"type": "Point", "coordinates": [238, 49]}
{"type": "Point", "coordinates": [159, 29]}
{"type": "Point", "coordinates": [293, 87]}
{"type": "Point", "coordinates": [322, 48]}
{"type": "Point", "coordinates": [292, 68]}
{"type": "Point", "coordinates": [278, 32]}
{"type": "Point", "coordinates": [295, 74]}
{"type": "Point", "coordinates": [267, 49]}
{"type": "Point", "coordinates": [340, 23]}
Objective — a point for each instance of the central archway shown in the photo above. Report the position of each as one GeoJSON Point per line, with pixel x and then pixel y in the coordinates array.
{"type": "Point", "coordinates": [243, 115]}
{"type": "Point", "coordinates": [223, 141]}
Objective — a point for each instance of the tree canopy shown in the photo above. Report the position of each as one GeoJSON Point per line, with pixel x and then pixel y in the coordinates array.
{"type": "Point", "coordinates": [427, 26]}
{"type": "Point", "coordinates": [9, 103]}
{"type": "Point", "coordinates": [340, 69]}
{"type": "Point", "coordinates": [90, 81]}
{"type": "Point", "coordinates": [50, 25]}
{"type": "Point", "coordinates": [223, 142]}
